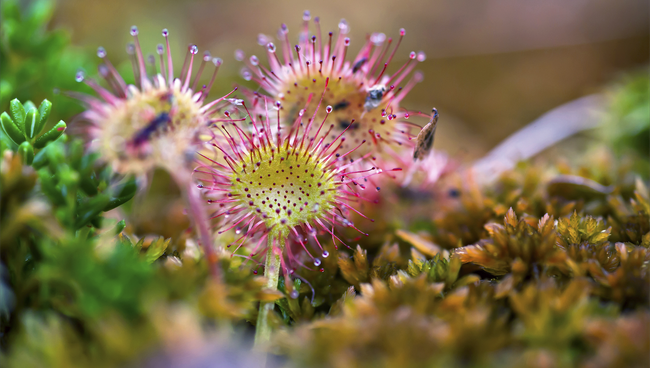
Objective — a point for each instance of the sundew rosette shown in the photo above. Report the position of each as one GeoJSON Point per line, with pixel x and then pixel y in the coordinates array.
{"type": "Point", "coordinates": [158, 122]}
{"type": "Point", "coordinates": [275, 185]}
{"type": "Point", "coordinates": [363, 96]}
{"type": "Point", "coordinates": [283, 182]}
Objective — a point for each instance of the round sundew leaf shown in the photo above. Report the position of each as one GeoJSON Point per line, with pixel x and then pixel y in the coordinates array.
{"type": "Point", "coordinates": [286, 187]}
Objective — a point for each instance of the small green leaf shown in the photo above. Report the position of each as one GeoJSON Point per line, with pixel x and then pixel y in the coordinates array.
{"type": "Point", "coordinates": [11, 129]}
{"type": "Point", "coordinates": [97, 222]}
{"type": "Point", "coordinates": [44, 111]}
{"type": "Point", "coordinates": [119, 227]}
{"type": "Point", "coordinates": [454, 268]}
{"type": "Point", "coordinates": [67, 176]}
{"type": "Point", "coordinates": [41, 12]}
{"type": "Point", "coordinates": [17, 112]}
{"type": "Point", "coordinates": [26, 151]}
{"type": "Point", "coordinates": [50, 135]}
{"type": "Point", "coordinates": [139, 244]}
{"type": "Point", "coordinates": [124, 195]}
{"type": "Point", "coordinates": [87, 185]}
{"type": "Point", "coordinates": [156, 249]}
{"type": "Point", "coordinates": [76, 154]}
{"type": "Point", "coordinates": [49, 187]}
{"type": "Point", "coordinates": [28, 106]}
{"type": "Point", "coordinates": [87, 211]}
{"type": "Point", "coordinates": [31, 121]}
{"type": "Point", "coordinates": [128, 189]}
{"type": "Point", "coordinates": [124, 239]}
{"type": "Point", "coordinates": [40, 159]}
{"type": "Point", "coordinates": [116, 202]}
{"type": "Point", "coordinates": [6, 89]}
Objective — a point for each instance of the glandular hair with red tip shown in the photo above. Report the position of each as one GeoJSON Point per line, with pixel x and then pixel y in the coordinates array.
{"type": "Point", "coordinates": [280, 183]}
{"type": "Point", "coordinates": [158, 122]}
{"type": "Point", "coordinates": [363, 96]}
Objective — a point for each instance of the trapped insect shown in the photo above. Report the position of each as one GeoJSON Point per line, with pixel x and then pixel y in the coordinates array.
{"type": "Point", "coordinates": [424, 140]}
{"type": "Point", "coordinates": [374, 97]}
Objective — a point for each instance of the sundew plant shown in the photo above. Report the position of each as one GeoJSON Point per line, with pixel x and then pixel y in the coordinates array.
{"type": "Point", "coordinates": [165, 207]}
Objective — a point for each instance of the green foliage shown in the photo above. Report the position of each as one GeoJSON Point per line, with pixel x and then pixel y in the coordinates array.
{"type": "Point", "coordinates": [76, 188]}
{"type": "Point", "coordinates": [290, 307]}
{"type": "Point", "coordinates": [358, 270]}
{"type": "Point", "coordinates": [630, 219]}
{"type": "Point", "coordinates": [400, 323]}
{"type": "Point", "coordinates": [79, 282]}
{"type": "Point", "coordinates": [33, 60]}
{"type": "Point", "coordinates": [629, 284]}
{"type": "Point", "coordinates": [516, 246]}
{"type": "Point", "coordinates": [94, 297]}
{"type": "Point", "coordinates": [526, 189]}
{"type": "Point", "coordinates": [627, 125]}
{"type": "Point", "coordinates": [585, 238]}
{"type": "Point", "coordinates": [23, 125]}
{"type": "Point", "coordinates": [439, 270]}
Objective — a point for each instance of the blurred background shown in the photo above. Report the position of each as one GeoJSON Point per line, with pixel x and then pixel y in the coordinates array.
{"type": "Point", "coordinates": [492, 66]}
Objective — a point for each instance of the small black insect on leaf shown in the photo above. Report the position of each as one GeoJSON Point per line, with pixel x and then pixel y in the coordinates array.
{"type": "Point", "coordinates": [341, 105]}
{"type": "Point", "coordinates": [359, 64]}
{"type": "Point", "coordinates": [424, 140]}
{"type": "Point", "coordinates": [145, 133]}
{"type": "Point", "coordinates": [374, 96]}
{"type": "Point", "coordinates": [344, 124]}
